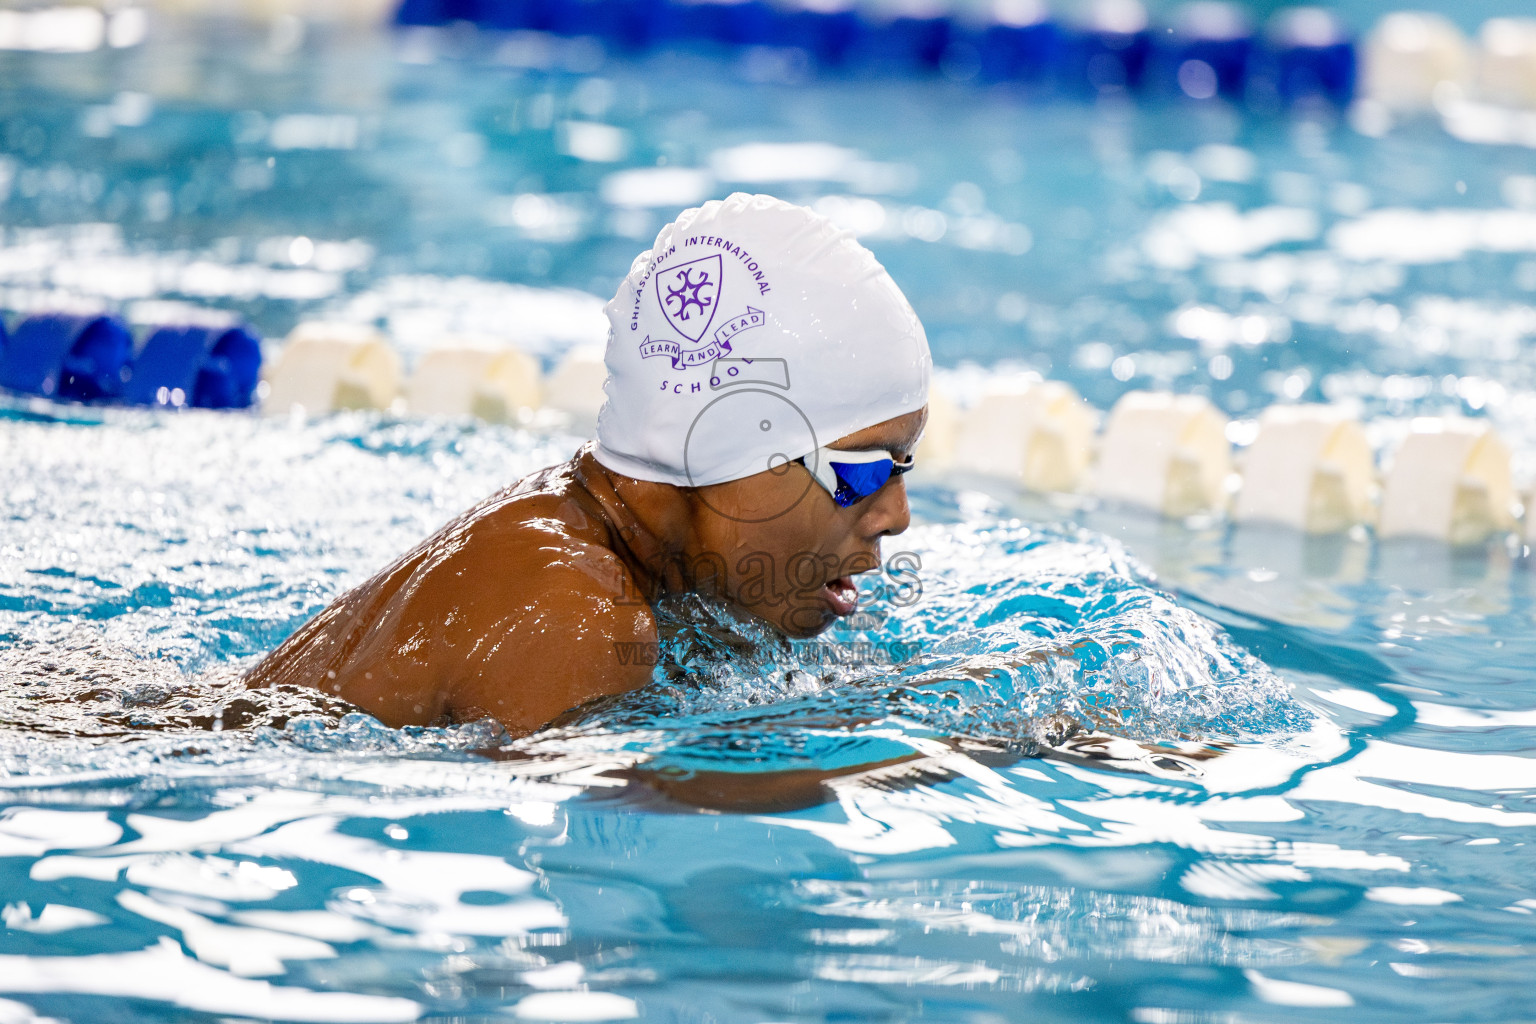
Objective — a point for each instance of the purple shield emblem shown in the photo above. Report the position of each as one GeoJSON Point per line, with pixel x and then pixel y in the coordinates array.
{"type": "Point", "coordinates": [689, 295]}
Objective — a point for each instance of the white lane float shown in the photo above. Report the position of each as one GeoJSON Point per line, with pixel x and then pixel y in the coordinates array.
{"type": "Point", "coordinates": [1310, 468]}
{"type": "Point", "coordinates": [473, 377]}
{"type": "Point", "coordinates": [576, 385]}
{"type": "Point", "coordinates": [936, 451]}
{"type": "Point", "coordinates": [1506, 61]}
{"type": "Point", "coordinates": [1528, 521]}
{"type": "Point", "coordinates": [325, 366]}
{"type": "Point", "coordinates": [1165, 452]}
{"type": "Point", "coordinates": [1038, 434]}
{"type": "Point", "coordinates": [1449, 481]}
{"type": "Point", "coordinates": [1413, 60]}
{"type": "Point", "coordinates": [358, 12]}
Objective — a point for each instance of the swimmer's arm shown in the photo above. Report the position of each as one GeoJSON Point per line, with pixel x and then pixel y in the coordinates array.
{"type": "Point", "coordinates": [516, 624]}
{"type": "Point", "coordinates": [1066, 741]}
{"type": "Point", "coordinates": [797, 789]}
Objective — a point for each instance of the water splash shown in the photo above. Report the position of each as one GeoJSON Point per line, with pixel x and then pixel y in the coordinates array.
{"type": "Point", "coordinates": [1022, 636]}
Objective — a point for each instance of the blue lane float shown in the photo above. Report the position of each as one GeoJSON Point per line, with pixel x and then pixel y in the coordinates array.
{"type": "Point", "coordinates": [1018, 43]}
{"type": "Point", "coordinates": [413, 13]}
{"type": "Point", "coordinates": [628, 25]}
{"type": "Point", "coordinates": [1201, 50]}
{"type": "Point", "coordinates": [1308, 56]}
{"type": "Point", "coordinates": [1106, 48]}
{"type": "Point", "coordinates": [201, 367]}
{"type": "Point", "coordinates": [57, 355]}
{"type": "Point", "coordinates": [510, 15]}
{"type": "Point", "coordinates": [1205, 52]}
{"type": "Point", "coordinates": [903, 36]}
{"type": "Point", "coordinates": [91, 358]}
{"type": "Point", "coordinates": [725, 22]}
{"type": "Point", "coordinates": [828, 30]}
{"type": "Point", "coordinates": [418, 13]}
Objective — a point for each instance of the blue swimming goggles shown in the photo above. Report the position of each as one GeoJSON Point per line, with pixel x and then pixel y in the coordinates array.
{"type": "Point", "coordinates": [850, 477]}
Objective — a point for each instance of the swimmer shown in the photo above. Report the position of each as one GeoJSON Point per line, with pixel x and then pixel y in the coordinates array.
{"type": "Point", "coordinates": [767, 386]}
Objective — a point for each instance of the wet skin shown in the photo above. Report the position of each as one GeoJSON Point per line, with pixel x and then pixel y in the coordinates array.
{"type": "Point", "coordinates": [536, 600]}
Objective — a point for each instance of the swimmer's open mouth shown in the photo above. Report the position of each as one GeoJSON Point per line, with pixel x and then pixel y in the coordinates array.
{"type": "Point", "coordinates": [842, 595]}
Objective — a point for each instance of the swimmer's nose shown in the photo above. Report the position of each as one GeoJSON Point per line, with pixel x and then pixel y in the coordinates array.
{"type": "Point", "coordinates": [889, 513]}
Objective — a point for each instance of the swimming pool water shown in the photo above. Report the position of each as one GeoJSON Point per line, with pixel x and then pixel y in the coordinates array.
{"type": "Point", "coordinates": [1356, 851]}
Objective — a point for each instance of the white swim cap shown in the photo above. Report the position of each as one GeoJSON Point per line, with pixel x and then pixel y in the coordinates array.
{"type": "Point", "coordinates": [753, 332]}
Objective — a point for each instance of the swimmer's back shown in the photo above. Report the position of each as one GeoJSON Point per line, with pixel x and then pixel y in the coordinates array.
{"type": "Point", "coordinates": [514, 611]}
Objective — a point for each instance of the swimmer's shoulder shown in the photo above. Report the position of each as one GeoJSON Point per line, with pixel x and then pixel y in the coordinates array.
{"type": "Point", "coordinates": [517, 610]}
{"type": "Point", "coordinates": [552, 614]}
{"type": "Point", "coordinates": [547, 547]}
{"type": "Point", "coordinates": [537, 532]}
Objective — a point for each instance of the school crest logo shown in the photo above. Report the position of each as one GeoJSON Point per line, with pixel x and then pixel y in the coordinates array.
{"type": "Point", "coordinates": [689, 296]}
